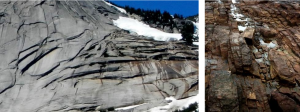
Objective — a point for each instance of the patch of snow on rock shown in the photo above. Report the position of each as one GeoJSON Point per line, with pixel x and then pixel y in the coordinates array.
{"type": "Point", "coordinates": [140, 28]}
{"type": "Point", "coordinates": [129, 107]}
{"type": "Point", "coordinates": [269, 45]}
{"type": "Point", "coordinates": [180, 104]}
{"type": "Point", "coordinates": [196, 25]}
{"type": "Point", "coordinates": [260, 60]}
{"type": "Point", "coordinates": [242, 28]}
{"type": "Point", "coordinates": [120, 9]}
{"type": "Point", "coordinates": [196, 43]}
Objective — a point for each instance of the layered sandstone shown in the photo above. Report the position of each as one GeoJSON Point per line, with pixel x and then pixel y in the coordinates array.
{"type": "Point", "coordinates": [256, 69]}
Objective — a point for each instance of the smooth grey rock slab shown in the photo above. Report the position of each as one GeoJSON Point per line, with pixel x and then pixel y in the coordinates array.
{"type": "Point", "coordinates": [67, 56]}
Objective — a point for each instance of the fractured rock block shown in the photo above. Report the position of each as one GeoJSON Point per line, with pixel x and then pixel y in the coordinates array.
{"type": "Point", "coordinates": [248, 33]}
{"type": "Point", "coordinates": [284, 102]}
{"type": "Point", "coordinates": [222, 93]}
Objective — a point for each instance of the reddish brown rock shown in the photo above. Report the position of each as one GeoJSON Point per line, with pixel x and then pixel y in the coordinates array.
{"type": "Point", "coordinates": [268, 33]}
{"type": "Point", "coordinates": [222, 92]}
{"type": "Point", "coordinates": [248, 33]}
{"type": "Point", "coordinates": [284, 102]}
{"type": "Point", "coordinates": [285, 90]}
{"type": "Point", "coordinates": [264, 83]}
{"type": "Point", "coordinates": [279, 66]}
{"type": "Point", "coordinates": [255, 69]}
{"type": "Point", "coordinates": [252, 90]}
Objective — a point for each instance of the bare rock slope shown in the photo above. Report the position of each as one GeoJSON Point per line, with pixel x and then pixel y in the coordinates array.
{"type": "Point", "coordinates": [68, 56]}
{"type": "Point", "coordinates": [260, 64]}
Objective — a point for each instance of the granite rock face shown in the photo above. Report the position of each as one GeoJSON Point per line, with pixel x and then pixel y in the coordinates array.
{"type": "Point", "coordinates": [68, 56]}
{"type": "Point", "coordinates": [255, 53]}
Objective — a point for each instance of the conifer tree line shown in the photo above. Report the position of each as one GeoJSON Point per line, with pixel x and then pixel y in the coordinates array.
{"type": "Point", "coordinates": [154, 16]}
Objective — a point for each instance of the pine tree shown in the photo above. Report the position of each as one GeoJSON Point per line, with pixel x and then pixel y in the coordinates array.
{"type": "Point", "coordinates": [139, 12]}
{"type": "Point", "coordinates": [176, 15]}
{"type": "Point", "coordinates": [132, 10]}
{"type": "Point", "coordinates": [191, 108]}
{"type": "Point", "coordinates": [166, 18]}
{"type": "Point", "coordinates": [127, 8]}
{"type": "Point", "coordinates": [187, 33]}
{"type": "Point", "coordinates": [181, 17]}
{"type": "Point", "coordinates": [157, 16]}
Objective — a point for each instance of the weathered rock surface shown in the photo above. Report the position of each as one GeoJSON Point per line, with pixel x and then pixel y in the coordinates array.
{"type": "Point", "coordinates": [67, 56]}
{"type": "Point", "coordinates": [258, 66]}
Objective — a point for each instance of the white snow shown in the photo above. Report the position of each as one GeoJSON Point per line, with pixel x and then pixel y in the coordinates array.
{"type": "Point", "coordinates": [196, 32]}
{"type": "Point", "coordinates": [183, 103]}
{"type": "Point", "coordinates": [242, 28]}
{"type": "Point", "coordinates": [265, 55]}
{"type": "Point", "coordinates": [196, 43]}
{"type": "Point", "coordinates": [129, 107]}
{"type": "Point", "coordinates": [254, 50]}
{"type": "Point", "coordinates": [269, 45]}
{"type": "Point", "coordinates": [136, 27]}
{"type": "Point", "coordinates": [120, 9]}
{"type": "Point", "coordinates": [140, 28]}
{"type": "Point", "coordinates": [196, 25]}
{"type": "Point", "coordinates": [238, 17]}
{"type": "Point", "coordinates": [259, 60]}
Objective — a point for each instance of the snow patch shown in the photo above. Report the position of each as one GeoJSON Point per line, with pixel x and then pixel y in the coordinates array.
{"type": "Point", "coordinates": [238, 16]}
{"type": "Point", "coordinates": [260, 60]}
{"type": "Point", "coordinates": [120, 9]}
{"type": "Point", "coordinates": [129, 107]}
{"type": "Point", "coordinates": [254, 50]}
{"type": "Point", "coordinates": [265, 55]}
{"type": "Point", "coordinates": [140, 28]}
{"type": "Point", "coordinates": [269, 45]}
{"type": "Point", "coordinates": [196, 43]}
{"type": "Point", "coordinates": [242, 28]}
{"type": "Point", "coordinates": [235, 14]}
{"type": "Point", "coordinates": [183, 103]}
{"type": "Point", "coordinates": [196, 25]}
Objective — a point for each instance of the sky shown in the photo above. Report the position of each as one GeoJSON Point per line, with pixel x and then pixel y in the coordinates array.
{"type": "Point", "coordinates": [185, 8]}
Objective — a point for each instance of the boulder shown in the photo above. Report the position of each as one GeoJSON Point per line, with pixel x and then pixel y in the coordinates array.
{"type": "Point", "coordinates": [268, 33]}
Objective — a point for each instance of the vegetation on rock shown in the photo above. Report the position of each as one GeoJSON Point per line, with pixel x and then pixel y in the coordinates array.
{"type": "Point", "coordinates": [192, 108]}
{"type": "Point", "coordinates": [187, 33]}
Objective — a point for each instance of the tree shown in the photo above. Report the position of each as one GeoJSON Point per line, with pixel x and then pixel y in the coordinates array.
{"type": "Point", "coordinates": [127, 8]}
{"type": "Point", "coordinates": [192, 108]}
{"type": "Point", "coordinates": [157, 16]}
{"type": "Point", "coordinates": [132, 10]}
{"type": "Point", "coordinates": [181, 17]}
{"type": "Point", "coordinates": [139, 12]}
{"type": "Point", "coordinates": [187, 33]}
{"type": "Point", "coordinates": [166, 17]}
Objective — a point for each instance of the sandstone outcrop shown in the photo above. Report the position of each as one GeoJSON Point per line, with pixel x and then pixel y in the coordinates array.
{"type": "Point", "coordinates": [255, 54]}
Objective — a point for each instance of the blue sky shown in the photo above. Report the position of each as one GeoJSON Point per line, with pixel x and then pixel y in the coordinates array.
{"type": "Point", "coordinates": [185, 8]}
